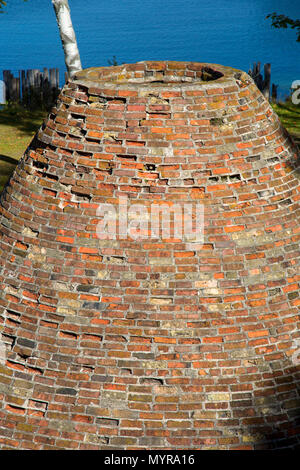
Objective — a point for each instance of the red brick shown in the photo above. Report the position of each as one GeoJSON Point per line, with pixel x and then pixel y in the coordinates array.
{"type": "Point", "coordinates": [84, 338]}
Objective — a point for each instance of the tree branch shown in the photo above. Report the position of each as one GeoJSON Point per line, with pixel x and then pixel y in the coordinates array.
{"type": "Point", "coordinates": [282, 21]}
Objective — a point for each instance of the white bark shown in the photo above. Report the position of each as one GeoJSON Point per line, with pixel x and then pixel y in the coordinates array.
{"type": "Point", "coordinates": [67, 35]}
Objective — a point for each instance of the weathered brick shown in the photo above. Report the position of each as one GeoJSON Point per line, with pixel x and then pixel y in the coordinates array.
{"type": "Point", "coordinates": [153, 342]}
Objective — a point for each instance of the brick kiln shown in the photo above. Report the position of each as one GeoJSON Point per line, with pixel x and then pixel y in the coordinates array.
{"type": "Point", "coordinates": [152, 343]}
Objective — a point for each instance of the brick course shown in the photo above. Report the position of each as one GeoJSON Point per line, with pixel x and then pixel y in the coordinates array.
{"type": "Point", "coordinates": [151, 344]}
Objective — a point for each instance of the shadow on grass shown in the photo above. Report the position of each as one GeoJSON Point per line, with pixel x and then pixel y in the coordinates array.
{"type": "Point", "coordinates": [7, 166]}
{"type": "Point", "coordinates": [24, 120]}
{"type": "Point", "coordinates": [6, 158]}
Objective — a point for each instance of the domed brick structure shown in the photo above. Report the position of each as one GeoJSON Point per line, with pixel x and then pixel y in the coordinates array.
{"type": "Point", "coordinates": [152, 342]}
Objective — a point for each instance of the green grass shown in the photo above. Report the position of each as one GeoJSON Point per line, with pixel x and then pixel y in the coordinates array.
{"type": "Point", "coordinates": [289, 115]}
{"type": "Point", "coordinates": [18, 126]}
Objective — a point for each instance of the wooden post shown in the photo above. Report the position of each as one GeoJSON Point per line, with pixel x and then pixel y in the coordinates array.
{"type": "Point", "coordinates": [17, 90]}
{"type": "Point", "coordinates": [57, 78]}
{"type": "Point", "coordinates": [26, 86]}
{"type": "Point", "coordinates": [256, 75]}
{"type": "Point", "coordinates": [53, 84]}
{"type": "Point", "coordinates": [37, 88]}
{"type": "Point", "coordinates": [7, 78]}
{"type": "Point", "coordinates": [30, 77]}
{"type": "Point", "coordinates": [274, 93]}
{"type": "Point", "coordinates": [262, 83]}
{"type": "Point", "coordinates": [46, 88]}
{"type": "Point", "coordinates": [267, 81]}
{"type": "Point", "coordinates": [259, 77]}
{"type": "Point", "coordinates": [22, 80]}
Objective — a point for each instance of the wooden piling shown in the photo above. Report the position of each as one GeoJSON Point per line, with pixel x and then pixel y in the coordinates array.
{"type": "Point", "coordinates": [32, 88]}
{"type": "Point", "coordinates": [263, 83]}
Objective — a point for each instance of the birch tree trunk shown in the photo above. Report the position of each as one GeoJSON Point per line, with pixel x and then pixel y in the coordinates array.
{"type": "Point", "coordinates": [67, 35]}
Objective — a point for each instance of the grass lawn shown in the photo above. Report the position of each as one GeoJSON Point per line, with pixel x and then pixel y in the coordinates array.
{"type": "Point", "coordinates": [18, 126]}
{"type": "Point", "coordinates": [289, 114]}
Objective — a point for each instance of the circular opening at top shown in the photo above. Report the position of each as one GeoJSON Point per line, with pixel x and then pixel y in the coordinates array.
{"type": "Point", "coordinates": [154, 73]}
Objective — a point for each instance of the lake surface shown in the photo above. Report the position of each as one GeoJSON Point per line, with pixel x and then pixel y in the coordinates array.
{"type": "Point", "coordinates": [228, 32]}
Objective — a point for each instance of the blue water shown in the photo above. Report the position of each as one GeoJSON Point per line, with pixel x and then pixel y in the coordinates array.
{"type": "Point", "coordinates": [228, 32]}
